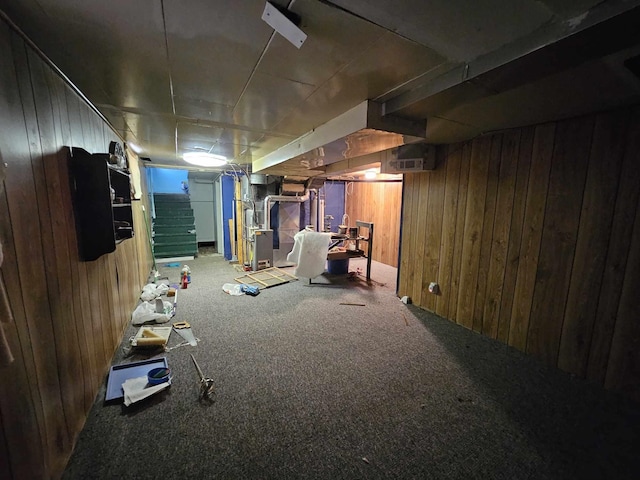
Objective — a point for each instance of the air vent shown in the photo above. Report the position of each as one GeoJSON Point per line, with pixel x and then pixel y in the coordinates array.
{"type": "Point", "coordinates": [416, 157]}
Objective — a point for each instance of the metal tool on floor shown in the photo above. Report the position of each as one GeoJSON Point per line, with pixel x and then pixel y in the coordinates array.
{"type": "Point", "coordinates": [207, 389]}
{"type": "Point", "coordinates": [184, 330]}
{"type": "Point", "coordinates": [175, 302]}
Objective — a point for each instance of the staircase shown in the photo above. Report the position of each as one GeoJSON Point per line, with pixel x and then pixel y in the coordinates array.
{"type": "Point", "coordinates": [174, 231]}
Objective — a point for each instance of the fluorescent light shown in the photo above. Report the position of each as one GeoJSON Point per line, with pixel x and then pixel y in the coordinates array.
{"type": "Point", "coordinates": [204, 159]}
{"type": "Point", "coordinates": [136, 149]}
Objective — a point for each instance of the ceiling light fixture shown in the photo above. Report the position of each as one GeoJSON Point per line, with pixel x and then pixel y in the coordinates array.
{"type": "Point", "coordinates": [136, 149]}
{"type": "Point", "coordinates": [370, 174]}
{"type": "Point", "coordinates": [204, 159]}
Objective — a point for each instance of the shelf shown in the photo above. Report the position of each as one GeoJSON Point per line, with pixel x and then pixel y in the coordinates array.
{"type": "Point", "coordinates": [101, 223]}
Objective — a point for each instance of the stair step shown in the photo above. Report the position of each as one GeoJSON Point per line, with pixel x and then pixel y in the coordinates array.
{"type": "Point", "coordinates": [166, 251]}
{"type": "Point", "coordinates": [174, 221]}
{"type": "Point", "coordinates": [172, 209]}
{"type": "Point", "coordinates": [171, 197]}
{"type": "Point", "coordinates": [164, 238]}
{"type": "Point", "coordinates": [171, 225]}
{"type": "Point", "coordinates": [172, 229]}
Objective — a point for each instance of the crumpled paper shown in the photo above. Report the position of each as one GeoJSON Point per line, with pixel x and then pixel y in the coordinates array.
{"type": "Point", "coordinates": [136, 389]}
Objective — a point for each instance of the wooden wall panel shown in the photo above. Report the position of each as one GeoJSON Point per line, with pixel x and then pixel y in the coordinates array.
{"type": "Point", "coordinates": [535, 204]}
{"type": "Point", "coordinates": [68, 315]}
{"type": "Point", "coordinates": [25, 205]}
{"type": "Point", "coordinates": [411, 203]}
{"type": "Point", "coordinates": [525, 147]}
{"type": "Point", "coordinates": [420, 202]}
{"type": "Point", "coordinates": [433, 234]}
{"type": "Point", "coordinates": [408, 192]}
{"type": "Point", "coordinates": [379, 203]}
{"type": "Point", "coordinates": [623, 369]}
{"type": "Point", "coordinates": [500, 235]}
{"type": "Point", "coordinates": [451, 164]}
{"type": "Point", "coordinates": [538, 244]}
{"type": "Point", "coordinates": [55, 247]}
{"type": "Point", "coordinates": [472, 239]}
{"type": "Point", "coordinates": [487, 231]}
{"type": "Point", "coordinates": [557, 248]}
{"type": "Point", "coordinates": [15, 145]}
{"type": "Point", "coordinates": [454, 288]}
{"type": "Point", "coordinates": [23, 414]}
{"type": "Point", "coordinates": [89, 377]}
{"type": "Point", "coordinates": [618, 250]}
{"type": "Point", "coordinates": [87, 381]}
{"type": "Point", "coordinates": [605, 162]}
{"type": "Point", "coordinates": [79, 269]}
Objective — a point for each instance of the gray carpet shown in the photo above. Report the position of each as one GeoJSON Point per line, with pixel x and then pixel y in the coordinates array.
{"type": "Point", "coordinates": [309, 388]}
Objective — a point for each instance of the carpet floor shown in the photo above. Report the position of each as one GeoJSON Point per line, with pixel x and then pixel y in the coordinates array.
{"type": "Point", "coordinates": [307, 387]}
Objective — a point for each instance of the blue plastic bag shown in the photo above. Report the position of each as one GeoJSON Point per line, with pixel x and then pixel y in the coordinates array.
{"type": "Point", "coordinates": [250, 290]}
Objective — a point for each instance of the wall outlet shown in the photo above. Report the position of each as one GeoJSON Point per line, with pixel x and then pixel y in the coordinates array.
{"type": "Point", "coordinates": [434, 288]}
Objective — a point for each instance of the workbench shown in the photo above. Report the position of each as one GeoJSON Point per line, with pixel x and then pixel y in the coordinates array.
{"type": "Point", "coordinates": [338, 238]}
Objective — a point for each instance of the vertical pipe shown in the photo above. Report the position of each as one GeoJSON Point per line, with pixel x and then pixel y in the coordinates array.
{"type": "Point", "coordinates": [313, 209]}
{"type": "Point", "coordinates": [239, 221]}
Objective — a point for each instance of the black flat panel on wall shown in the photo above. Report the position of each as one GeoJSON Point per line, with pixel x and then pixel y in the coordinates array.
{"type": "Point", "coordinates": [92, 204]}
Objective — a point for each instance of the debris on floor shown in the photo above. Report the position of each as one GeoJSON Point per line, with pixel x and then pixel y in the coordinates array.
{"type": "Point", "coordinates": [151, 337]}
{"type": "Point", "coordinates": [184, 330]}
{"type": "Point", "coordinates": [269, 277]}
{"type": "Point", "coordinates": [207, 388]}
{"type": "Point", "coordinates": [250, 289]}
{"type": "Point", "coordinates": [131, 380]}
{"type": "Point", "coordinates": [152, 290]}
{"type": "Point", "coordinates": [146, 312]}
{"type": "Point", "coordinates": [136, 389]}
{"type": "Point", "coordinates": [233, 288]}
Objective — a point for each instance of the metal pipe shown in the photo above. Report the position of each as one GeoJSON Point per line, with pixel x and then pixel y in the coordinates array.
{"type": "Point", "coordinates": [279, 198]}
{"type": "Point", "coordinates": [313, 210]}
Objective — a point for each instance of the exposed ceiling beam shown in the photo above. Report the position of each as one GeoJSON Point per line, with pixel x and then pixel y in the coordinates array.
{"type": "Point", "coordinates": [366, 115]}
{"type": "Point", "coordinates": [550, 49]}
{"type": "Point", "coordinates": [355, 164]}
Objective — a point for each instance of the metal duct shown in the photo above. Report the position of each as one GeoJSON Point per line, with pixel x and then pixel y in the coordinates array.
{"type": "Point", "coordinates": [279, 198]}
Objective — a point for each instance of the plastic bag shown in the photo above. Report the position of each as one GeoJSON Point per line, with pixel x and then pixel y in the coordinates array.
{"type": "Point", "coordinates": [250, 290]}
{"type": "Point", "coordinates": [151, 291]}
{"type": "Point", "coordinates": [145, 312]}
{"type": "Point", "coordinates": [233, 288]}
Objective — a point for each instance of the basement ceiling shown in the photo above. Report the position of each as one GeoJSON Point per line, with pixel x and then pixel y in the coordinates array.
{"type": "Point", "coordinates": [177, 76]}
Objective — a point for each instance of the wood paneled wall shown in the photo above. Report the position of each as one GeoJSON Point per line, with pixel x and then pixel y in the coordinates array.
{"type": "Point", "coordinates": [534, 238]}
{"type": "Point", "coordinates": [378, 203]}
{"type": "Point", "coordinates": [69, 315]}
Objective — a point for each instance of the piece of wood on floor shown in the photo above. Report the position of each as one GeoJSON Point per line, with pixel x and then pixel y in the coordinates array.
{"type": "Point", "coordinates": [269, 277]}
